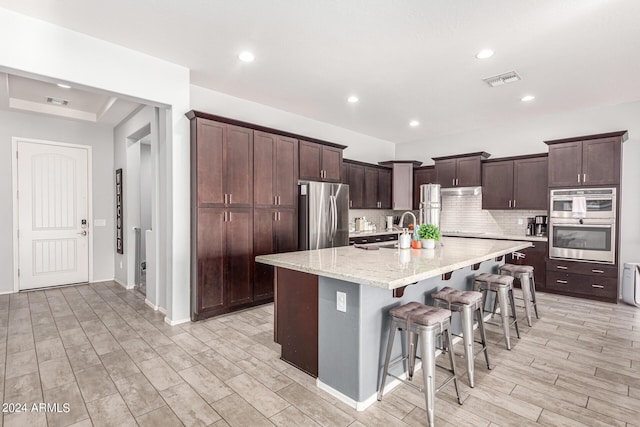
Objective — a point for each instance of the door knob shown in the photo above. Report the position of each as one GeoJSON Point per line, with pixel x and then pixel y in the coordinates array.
{"type": "Point", "coordinates": [82, 233]}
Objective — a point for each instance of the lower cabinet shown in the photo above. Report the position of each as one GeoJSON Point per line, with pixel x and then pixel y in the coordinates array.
{"type": "Point", "coordinates": [223, 261]}
{"type": "Point", "coordinates": [274, 231]}
{"type": "Point", "coordinates": [583, 279]}
{"type": "Point", "coordinates": [536, 257]}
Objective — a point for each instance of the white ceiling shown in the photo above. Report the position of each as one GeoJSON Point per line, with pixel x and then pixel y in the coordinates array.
{"type": "Point", "coordinates": [404, 59]}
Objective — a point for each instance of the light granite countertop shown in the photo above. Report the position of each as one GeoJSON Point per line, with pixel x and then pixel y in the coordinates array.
{"type": "Point", "coordinates": [389, 268]}
{"type": "Point", "coordinates": [372, 233]}
{"type": "Point", "coordinates": [495, 236]}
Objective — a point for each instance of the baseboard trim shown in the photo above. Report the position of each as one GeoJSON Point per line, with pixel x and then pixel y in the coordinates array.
{"type": "Point", "coordinates": [119, 282]}
{"type": "Point", "coordinates": [8, 292]}
{"type": "Point", "coordinates": [152, 305]}
{"type": "Point", "coordinates": [162, 310]}
{"type": "Point", "coordinates": [176, 322]}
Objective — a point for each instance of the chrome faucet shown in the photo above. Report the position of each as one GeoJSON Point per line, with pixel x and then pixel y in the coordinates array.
{"type": "Point", "coordinates": [415, 221]}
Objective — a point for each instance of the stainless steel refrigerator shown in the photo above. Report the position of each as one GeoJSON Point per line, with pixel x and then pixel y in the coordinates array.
{"type": "Point", "coordinates": [430, 204]}
{"type": "Point", "coordinates": [323, 215]}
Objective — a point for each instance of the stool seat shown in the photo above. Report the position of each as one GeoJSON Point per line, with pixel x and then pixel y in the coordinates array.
{"type": "Point", "coordinates": [512, 268]}
{"type": "Point", "coordinates": [498, 279]}
{"type": "Point", "coordinates": [451, 295]}
{"type": "Point", "coordinates": [421, 314]}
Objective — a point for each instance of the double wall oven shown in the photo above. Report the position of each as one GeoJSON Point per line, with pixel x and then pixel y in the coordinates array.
{"type": "Point", "coordinates": [586, 233]}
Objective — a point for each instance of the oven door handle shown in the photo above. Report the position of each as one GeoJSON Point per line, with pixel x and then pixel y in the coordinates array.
{"type": "Point", "coordinates": [560, 224]}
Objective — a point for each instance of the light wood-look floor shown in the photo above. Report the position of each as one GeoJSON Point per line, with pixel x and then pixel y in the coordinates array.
{"type": "Point", "coordinates": [102, 350]}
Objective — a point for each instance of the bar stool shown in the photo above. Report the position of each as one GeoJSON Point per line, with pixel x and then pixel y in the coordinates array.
{"type": "Point", "coordinates": [502, 285]}
{"type": "Point", "coordinates": [425, 323]}
{"type": "Point", "coordinates": [466, 303]}
{"type": "Point", "coordinates": [524, 273]}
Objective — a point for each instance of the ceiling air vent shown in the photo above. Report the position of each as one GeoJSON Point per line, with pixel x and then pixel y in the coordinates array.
{"type": "Point", "coordinates": [502, 79]}
{"type": "Point", "coordinates": [56, 101]}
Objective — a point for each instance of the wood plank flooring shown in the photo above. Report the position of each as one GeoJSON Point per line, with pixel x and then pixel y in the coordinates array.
{"type": "Point", "coordinates": [100, 349]}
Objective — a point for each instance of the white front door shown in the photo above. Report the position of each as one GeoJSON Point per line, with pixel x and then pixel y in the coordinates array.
{"type": "Point", "coordinates": [52, 215]}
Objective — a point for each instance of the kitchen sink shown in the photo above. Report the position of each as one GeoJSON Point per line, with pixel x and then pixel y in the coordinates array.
{"type": "Point", "coordinates": [389, 246]}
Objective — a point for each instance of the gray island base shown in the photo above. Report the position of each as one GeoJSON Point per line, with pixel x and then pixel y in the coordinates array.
{"type": "Point", "coordinates": [349, 346]}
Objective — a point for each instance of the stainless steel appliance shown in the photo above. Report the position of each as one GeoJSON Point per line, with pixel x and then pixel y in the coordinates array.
{"type": "Point", "coordinates": [323, 215]}
{"type": "Point", "coordinates": [588, 235]}
{"type": "Point", "coordinates": [430, 204]}
{"type": "Point", "coordinates": [631, 283]}
{"type": "Point", "coordinates": [540, 225]}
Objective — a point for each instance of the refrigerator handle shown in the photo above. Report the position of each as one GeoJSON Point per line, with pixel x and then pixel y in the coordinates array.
{"type": "Point", "coordinates": [334, 215]}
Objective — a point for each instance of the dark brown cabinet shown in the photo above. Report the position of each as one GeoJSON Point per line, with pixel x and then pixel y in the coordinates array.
{"type": "Point", "coordinates": [384, 188]}
{"type": "Point", "coordinates": [224, 164]}
{"type": "Point", "coordinates": [224, 262]}
{"type": "Point", "coordinates": [275, 231]}
{"type": "Point", "coordinates": [515, 183]}
{"type": "Point", "coordinates": [586, 161]}
{"type": "Point", "coordinates": [424, 175]}
{"type": "Point", "coordinates": [356, 186]}
{"type": "Point", "coordinates": [275, 170]}
{"type": "Point", "coordinates": [463, 170]}
{"type": "Point", "coordinates": [536, 257]}
{"type": "Point", "coordinates": [320, 162]}
{"type": "Point", "coordinates": [369, 185]}
{"type": "Point", "coordinates": [583, 279]}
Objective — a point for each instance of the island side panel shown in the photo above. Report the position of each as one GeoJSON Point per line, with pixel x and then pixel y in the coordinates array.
{"type": "Point", "coordinates": [296, 312]}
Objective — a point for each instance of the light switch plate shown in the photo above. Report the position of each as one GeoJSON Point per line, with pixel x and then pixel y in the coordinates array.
{"type": "Point", "coordinates": [341, 301]}
{"type": "Point", "coordinates": [100, 222]}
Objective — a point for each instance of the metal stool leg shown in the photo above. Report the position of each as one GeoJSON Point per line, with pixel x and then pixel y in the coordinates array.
{"type": "Point", "coordinates": [467, 337]}
{"type": "Point", "coordinates": [453, 364]}
{"type": "Point", "coordinates": [428, 349]}
{"type": "Point", "coordinates": [412, 341]}
{"type": "Point", "coordinates": [387, 359]}
{"type": "Point", "coordinates": [525, 285]}
{"type": "Point", "coordinates": [503, 297]}
{"type": "Point", "coordinates": [483, 335]}
{"type": "Point", "coordinates": [513, 311]}
{"type": "Point", "coordinates": [533, 295]}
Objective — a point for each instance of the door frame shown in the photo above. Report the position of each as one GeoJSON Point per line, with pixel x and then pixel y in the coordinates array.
{"type": "Point", "coordinates": [14, 199]}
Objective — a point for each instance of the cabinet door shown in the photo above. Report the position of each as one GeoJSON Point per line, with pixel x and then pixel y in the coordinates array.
{"type": "Point", "coordinates": [239, 256]}
{"type": "Point", "coordinates": [331, 163]}
{"type": "Point", "coordinates": [264, 152]}
{"type": "Point", "coordinates": [469, 171]}
{"type": "Point", "coordinates": [263, 244]}
{"type": "Point", "coordinates": [565, 164]}
{"type": "Point", "coordinates": [497, 185]}
{"type": "Point", "coordinates": [370, 188]}
{"type": "Point", "coordinates": [530, 190]}
{"type": "Point", "coordinates": [210, 263]}
{"type": "Point", "coordinates": [446, 172]}
{"type": "Point", "coordinates": [287, 231]}
{"type": "Point", "coordinates": [420, 177]}
{"type": "Point", "coordinates": [384, 188]}
{"type": "Point", "coordinates": [535, 256]}
{"type": "Point", "coordinates": [208, 153]}
{"type": "Point", "coordinates": [286, 171]}
{"type": "Point", "coordinates": [345, 173]}
{"type": "Point", "coordinates": [356, 186]}
{"type": "Point", "coordinates": [310, 160]}
{"type": "Point", "coordinates": [601, 162]}
{"type": "Point", "coordinates": [238, 170]}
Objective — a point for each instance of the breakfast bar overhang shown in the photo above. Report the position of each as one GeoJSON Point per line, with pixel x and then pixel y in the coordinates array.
{"type": "Point", "coordinates": [345, 349]}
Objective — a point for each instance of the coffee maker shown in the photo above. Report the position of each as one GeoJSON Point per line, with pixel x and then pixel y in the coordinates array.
{"type": "Point", "coordinates": [541, 225]}
{"type": "Point", "coordinates": [531, 226]}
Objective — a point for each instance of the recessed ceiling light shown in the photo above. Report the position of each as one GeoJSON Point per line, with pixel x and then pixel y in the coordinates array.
{"type": "Point", "coordinates": [484, 54]}
{"type": "Point", "coordinates": [63, 86]}
{"type": "Point", "coordinates": [527, 98]}
{"type": "Point", "coordinates": [246, 57]}
{"type": "Point", "coordinates": [352, 99]}
{"type": "Point", "coordinates": [414, 123]}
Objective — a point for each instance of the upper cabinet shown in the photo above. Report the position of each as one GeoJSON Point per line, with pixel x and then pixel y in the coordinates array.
{"type": "Point", "coordinates": [515, 183]}
{"type": "Point", "coordinates": [592, 160]}
{"type": "Point", "coordinates": [369, 185]}
{"type": "Point", "coordinates": [464, 170]}
{"type": "Point", "coordinates": [223, 156]}
{"type": "Point", "coordinates": [423, 175]}
{"type": "Point", "coordinates": [320, 162]}
{"type": "Point", "coordinates": [275, 170]}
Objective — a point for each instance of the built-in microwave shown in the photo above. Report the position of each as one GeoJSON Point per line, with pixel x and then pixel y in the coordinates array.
{"type": "Point", "coordinates": [589, 235]}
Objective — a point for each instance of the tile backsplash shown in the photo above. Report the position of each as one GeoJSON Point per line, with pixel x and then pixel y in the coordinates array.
{"type": "Point", "coordinates": [462, 213]}
{"type": "Point", "coordinates": [465, 213]}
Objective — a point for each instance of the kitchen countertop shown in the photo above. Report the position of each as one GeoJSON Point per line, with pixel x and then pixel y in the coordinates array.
{"type": "Point", "coordinates": [495, 236]}
{"type": "Point", "coordinates": [393, 268]}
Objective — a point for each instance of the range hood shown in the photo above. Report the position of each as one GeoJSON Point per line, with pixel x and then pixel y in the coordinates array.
{"type": "Point", "coordinates": [461, 191]}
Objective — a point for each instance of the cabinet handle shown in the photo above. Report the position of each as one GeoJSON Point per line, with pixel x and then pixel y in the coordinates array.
{"type": "Point", "coordinates": [457, 182]}
{"type": "Point", "coordinates": [564, 282]}
{"type": "Point", "coordinates": [584, 177]}
{"type": "Point", "coordinates": [364, 240]}
{"type": "Point", "coordinates": [578, 178]}
{"type": "Point", "coordinates": [230, 201]}
{"type": "Point", "coordinates": [453, 182]}
{"type": "Point", "coordinates": [275, 216]}
{"type": "Point", "coordinates": [597, 271]}
{"type": "Point", "coordinates": [225, 199]}
{"type": "Point", "coordinates": [597, 286]}
{"type": "Point", "coordinates": [350, 203]}
{"type": "Point", "coordinates": [514, 203]}
{"type": "Point", "coordinates": [561, 267]}
{"type": "Point", "coordinates": [279, 202]}
{"type": "Point", "coordinates": [509, 203]}
{"type": "Point", "coordinates": [230, 219]}
{"type": "Point", "coordinates": [278, 216]}
{"type": "Point", "coordinates": [224, 219]}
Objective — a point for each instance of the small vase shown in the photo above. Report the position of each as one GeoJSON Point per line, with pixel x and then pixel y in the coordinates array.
{"type": "Point", "coordinates": [428, 243]}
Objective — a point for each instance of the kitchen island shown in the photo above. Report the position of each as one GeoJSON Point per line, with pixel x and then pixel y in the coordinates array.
{"type": "Point", "coordinates": [331, 305]}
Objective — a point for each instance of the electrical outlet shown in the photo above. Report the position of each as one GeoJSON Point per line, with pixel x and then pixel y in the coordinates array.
{"type": "Point", "coordinates": [520, 221]}
{"type": "Point", "coordinates": [341, 301]}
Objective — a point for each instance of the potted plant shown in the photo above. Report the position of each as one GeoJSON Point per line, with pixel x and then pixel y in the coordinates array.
{"type": "Point", "coordinates": [428, 233]}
